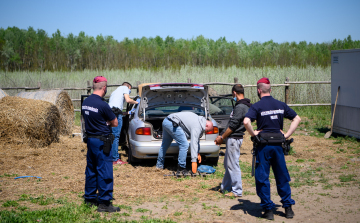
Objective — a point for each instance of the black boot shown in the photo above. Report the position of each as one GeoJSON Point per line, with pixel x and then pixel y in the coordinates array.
{"type": "Point", "coordinates": [268, 214]}
{"type": "Point", "coordinates": [107, 207]}
{"type": "Point", "coordinates": [289, 213]}
{"type": "Point", "coordinates": [181, 171]}
{"type": "Point", "coordinates": [91, 202]}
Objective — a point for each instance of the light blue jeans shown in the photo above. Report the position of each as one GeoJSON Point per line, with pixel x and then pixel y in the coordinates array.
{"type": "Point", "coordinates": [232, 178]}
{"type": "Point", "coordinates": [116, 132]}
{"type": "Point", "coordinates": [169, 133]}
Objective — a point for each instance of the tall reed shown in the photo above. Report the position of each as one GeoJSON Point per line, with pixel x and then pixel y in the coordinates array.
{"type": "Point", "coordinates": [314, 93]}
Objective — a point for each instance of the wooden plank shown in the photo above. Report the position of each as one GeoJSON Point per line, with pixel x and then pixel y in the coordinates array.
{"type": "Point", "coordinates": [307, 82]}
{"type": "Point", "coordinates": [25, 88]}
{"type": "Point", "coordinates": [300, 105]}
{"type": "Point", "coordinates": [232, 84]}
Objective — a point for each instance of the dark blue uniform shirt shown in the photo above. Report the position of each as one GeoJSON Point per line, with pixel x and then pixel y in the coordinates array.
{"type": "Point", "coordinates": [96, 112]}
{"type": "Point", "coordinates": [270, 114]}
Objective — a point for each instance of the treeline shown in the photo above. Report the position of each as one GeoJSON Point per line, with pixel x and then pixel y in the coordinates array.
{"type": "Point", "coordinates": [34, 50]}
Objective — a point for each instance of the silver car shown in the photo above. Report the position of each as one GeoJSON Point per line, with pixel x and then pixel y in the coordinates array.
{"type": "Point", "coordinates": [143, 127]}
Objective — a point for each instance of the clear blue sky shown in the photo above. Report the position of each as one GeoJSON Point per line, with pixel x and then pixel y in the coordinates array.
{"type": "Point", "coordinates": [282, 21]}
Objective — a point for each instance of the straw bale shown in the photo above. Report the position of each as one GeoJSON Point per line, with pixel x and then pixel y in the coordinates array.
{"type": "Point", "coordinates": [28, 121]}
{"type": "Point", "coordinates": [61, 100]}
{"type": "Point", "coordinates": [2, 93]}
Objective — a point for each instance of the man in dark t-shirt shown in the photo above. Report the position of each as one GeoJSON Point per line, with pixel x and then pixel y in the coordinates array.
{"type": "Point", "coordinates": [269, 114]}
{"type": "Point", "coordinates": [99, 119]}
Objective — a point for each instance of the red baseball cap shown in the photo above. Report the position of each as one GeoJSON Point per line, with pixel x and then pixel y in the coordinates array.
{"type": "Point", "coordinates": [264, 80]}
{"type": "Point", "coordinates": [98, 79]}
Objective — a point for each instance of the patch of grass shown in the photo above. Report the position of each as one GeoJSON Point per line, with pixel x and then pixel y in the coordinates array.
{"type": "Point", "coordinates": [292, 151]}
{"type": "Point", "coordinates": [218, 213]}
{"type": "Point", "coordinates": [10, 203]}
{"type": "Point", "coordinates": [344, 167]}
{"type": "Point", "coordinates": [300, 160]}
{"type": "Point", "coordinates": [142, 210]}
{"type": "Point", "coordinates": [165, 207]}
{"type": "Point", "coordinates": [178, 213]}
{"type": "Point", "coordinates": [311, 160]}
{"type": "Point", "coordinates": [125, 207]}
{"type": "Point", "coordinates": [319, 169]}
{"type": "Point", "coordinates": [9, 175]}
{"type": "Point", "coordinates": [293, 168]}
{"type": "Point", "coordinates": [347, 178]}
{"type": "Point", "coordinates": [327, 187]}
{"type": "Point", "coordinates": [245, 167]}
{"type": "Point", "coordinates": [203, 185]}
{"type": "Point", "coordinates": [205, 207]}
{"type": "Point", "coordinates": [248, 193]}
{"type": "Point", "coordinates": [22, 208]}
{"type": "Point", "coordinates": [323, 180]}
{"type": "Point", "coordinates": [42, 200]}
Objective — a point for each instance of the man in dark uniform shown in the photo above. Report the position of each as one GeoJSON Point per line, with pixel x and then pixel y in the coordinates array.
{"type": "Point", "coordinates": [269, 114]}
{"type": "Point", "coordinates": [99, 119]}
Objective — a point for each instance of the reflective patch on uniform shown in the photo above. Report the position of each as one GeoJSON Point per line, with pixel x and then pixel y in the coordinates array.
{"type": "Point", "coordinates": [84, 107]}
{"type": "Point", "coordinates": [86, 112]}
{"type": "Point", "coordinates": [272, 112]}
{"type": "Point", "coordinates": [274, 117]}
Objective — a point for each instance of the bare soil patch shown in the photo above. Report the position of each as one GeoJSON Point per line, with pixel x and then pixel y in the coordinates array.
{"type": "Point", "coordinates": [318, 190]}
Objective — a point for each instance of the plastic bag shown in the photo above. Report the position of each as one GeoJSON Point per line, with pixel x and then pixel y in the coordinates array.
{"type": "Point", "coordinates": [206, 169]}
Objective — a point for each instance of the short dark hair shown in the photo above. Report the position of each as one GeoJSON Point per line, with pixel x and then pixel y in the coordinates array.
{"type": "Point", "coordinates": [127, 84]}
{"type": "Point", "coordinates": [238, 88]}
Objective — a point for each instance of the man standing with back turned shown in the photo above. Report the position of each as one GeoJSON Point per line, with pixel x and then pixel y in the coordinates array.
{"type": "Point", "coordinates": [233, 136]}
{"type": "Point", "coordinates": [116, 102]}
{"type": "Point", "coordinates": [269, 114]}
{"type": "Point", "coordinates": [99, 119]}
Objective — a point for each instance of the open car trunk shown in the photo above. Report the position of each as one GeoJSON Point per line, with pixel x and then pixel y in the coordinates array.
{"type": "Point", "coordinates": [156, 126]}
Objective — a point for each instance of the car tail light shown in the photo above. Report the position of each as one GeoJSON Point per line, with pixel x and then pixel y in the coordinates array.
{"type": "Point", "coordinates": [215, 130]}
{"type": "Point", "coordinates": [143, 131]}
{"type": "Point", "coordinates": [197, 85]}
{"type": "Point", "coordinates": [154, 85]}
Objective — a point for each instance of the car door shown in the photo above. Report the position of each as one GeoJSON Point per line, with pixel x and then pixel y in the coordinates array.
{"type": "Point", "coordinates": [220, 109]}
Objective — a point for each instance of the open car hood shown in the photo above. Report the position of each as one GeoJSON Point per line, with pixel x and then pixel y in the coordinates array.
{"type": "Point", "coordinates": [167, 94]}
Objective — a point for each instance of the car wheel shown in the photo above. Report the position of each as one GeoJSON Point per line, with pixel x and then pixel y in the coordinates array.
{"type": "Point", "coordinates": [131, 158]}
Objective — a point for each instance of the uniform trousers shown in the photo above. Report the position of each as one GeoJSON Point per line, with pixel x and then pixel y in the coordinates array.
{"type": "Point", "coordinates": [272, 155]}
{"type": "Point", "coordinates": [98, 172]}
{"type": "Point", "coordinates": [232, 178]}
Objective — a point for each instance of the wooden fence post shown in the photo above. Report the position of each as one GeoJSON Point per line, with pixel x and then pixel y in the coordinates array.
{"type": "Point", "coordinates": [89, 89]}
{"type": "Point", "coordinates": [236, 80]}
{"type": "Point", "coordinates": [287, 92]}
{"type": "Point", "coordinates": [189, 80]}
{"type": "Point", "coordinates": [39, 85]}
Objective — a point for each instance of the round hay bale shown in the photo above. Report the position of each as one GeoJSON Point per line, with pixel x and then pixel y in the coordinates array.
{"type": "Point", "coordinates": [2, 93]}
{"type": "Point", "coordinates": [29, 121]}
{"type": "Point", "coordinates": [61, 100]}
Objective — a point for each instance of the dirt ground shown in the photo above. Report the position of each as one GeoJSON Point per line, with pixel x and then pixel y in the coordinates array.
{"type": "Point", "coordinates": [321, 198]}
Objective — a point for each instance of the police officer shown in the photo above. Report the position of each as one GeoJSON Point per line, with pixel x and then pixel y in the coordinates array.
{"type": "Point", "coordinates": [99, 119]}
{"type": "Point", "coordinates": [269, 114]}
